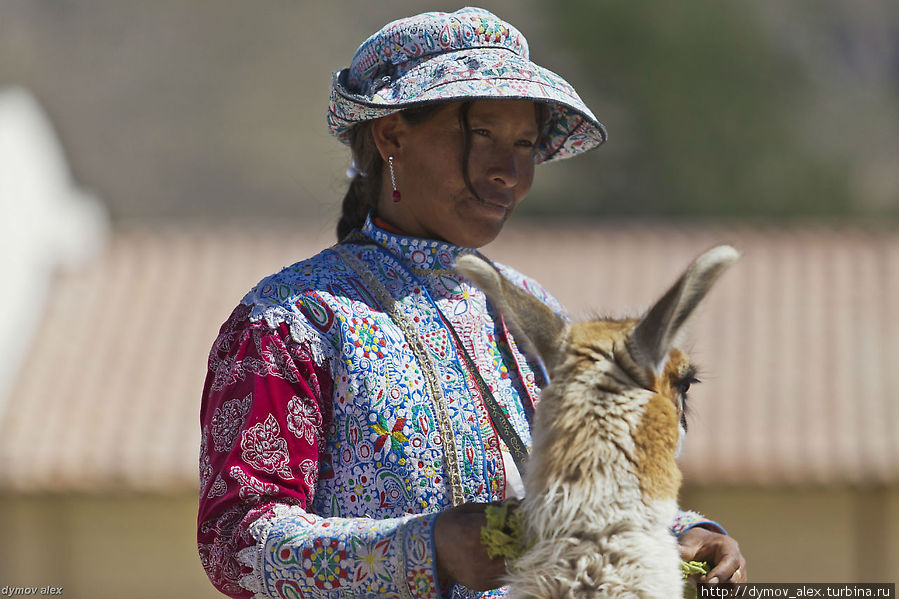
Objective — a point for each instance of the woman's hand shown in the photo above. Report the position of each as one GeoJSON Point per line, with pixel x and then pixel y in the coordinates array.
{"type": "Point", "coordinates": [460, 556]}
{"type": "Point", "coordinates": [722, 551]}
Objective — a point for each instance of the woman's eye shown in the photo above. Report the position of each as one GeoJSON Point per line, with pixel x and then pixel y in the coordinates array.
{"type": "Point", "coordinates": [483, 132]}
{"type": "Point", "coordinates": [526, 143]}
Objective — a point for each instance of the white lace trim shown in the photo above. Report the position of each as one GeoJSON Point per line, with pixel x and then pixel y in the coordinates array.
{"type": "Point", "coordinates": [300, 331]}
{"type": "Point", "coordinates": [253, 557]}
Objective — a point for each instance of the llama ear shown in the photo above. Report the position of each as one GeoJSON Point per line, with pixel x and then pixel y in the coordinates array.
{"type": "Point", "coordinates": [536, 328]}
{"type": "Point", "coordinates": [657, 332]}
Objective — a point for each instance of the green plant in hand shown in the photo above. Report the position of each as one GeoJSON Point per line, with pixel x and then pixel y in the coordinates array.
{"type": "Point", "coordinates": [688, 569]}
{"type": "Point", "coordinates": [691, 568]}
{"type": "Point", "coordinates": [503, 535]}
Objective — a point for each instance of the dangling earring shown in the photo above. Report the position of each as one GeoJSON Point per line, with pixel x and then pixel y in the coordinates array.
{"type": "Point", "coordinates": [396, 192]}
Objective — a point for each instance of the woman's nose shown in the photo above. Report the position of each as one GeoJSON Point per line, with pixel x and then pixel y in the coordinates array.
{"type": "Point", "coordinates": [504, 169]}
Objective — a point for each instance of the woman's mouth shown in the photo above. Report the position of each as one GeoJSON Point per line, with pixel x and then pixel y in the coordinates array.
{"type": "Point", "coordinates": [496, 203]}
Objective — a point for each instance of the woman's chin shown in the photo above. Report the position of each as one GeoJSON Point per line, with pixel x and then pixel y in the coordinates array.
{"type": "Point", "coordinates": [477, 233]}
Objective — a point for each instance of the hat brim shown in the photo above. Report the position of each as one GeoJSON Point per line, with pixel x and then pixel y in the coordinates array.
{"type": "Point", "coordinates": [474, 74]}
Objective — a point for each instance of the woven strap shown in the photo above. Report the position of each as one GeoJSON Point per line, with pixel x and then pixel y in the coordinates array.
{"type": "Point", "coordinates": [500, 422]}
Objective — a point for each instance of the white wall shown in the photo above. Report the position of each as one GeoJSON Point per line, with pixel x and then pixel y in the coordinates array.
{"type": "Point", "coordinates": [45, 222]}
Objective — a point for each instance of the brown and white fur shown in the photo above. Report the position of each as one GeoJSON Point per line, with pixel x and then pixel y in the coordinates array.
{"type": "Point", "coordinates": [602, 482]}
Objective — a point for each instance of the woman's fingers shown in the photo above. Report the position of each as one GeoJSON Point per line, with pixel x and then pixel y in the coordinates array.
{"type": "Point", "coordinates": [720, 550]}
{"type": "Point", "coordinates": [731, 568]}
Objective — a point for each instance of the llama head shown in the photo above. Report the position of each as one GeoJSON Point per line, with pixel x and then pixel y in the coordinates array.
{"type": "Point", "coordinates": [630, 357]}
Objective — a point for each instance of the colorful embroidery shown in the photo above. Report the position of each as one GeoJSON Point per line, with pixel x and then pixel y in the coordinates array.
{"type": "Point", "coordinates": [341, 434]}
{"type": "Point", "coordinates": [685, 520]}
{"type": "Point", "coordinates": [385, 437]}
{"type": "Point", "coordinates": [309, 470]}
{"type": "Point", "coordinates": [289, 589]}
{"type": "Point", "coordinates": [218, 488]}
{"type": "Point", "coordinates": [251, 488]}
{"type": "Point", "coordinates": [303, 418]}
{"type": "Point", "coordinates": [369, 339]}
{"type": "Point", "coordinates": [228, 421]}
{"type": "Point", "coordinates": [325, 563]}
{"type": "Point", "coordinates": [355, 557]}
{"type": "Point", "coordinates": [206, 470]}
{"type": "Point", "coordinates": [394, 434]}
{"type": "Point", "coordinates": [264, 449]}
{"type": "Point", "coordinates": [372, 561]}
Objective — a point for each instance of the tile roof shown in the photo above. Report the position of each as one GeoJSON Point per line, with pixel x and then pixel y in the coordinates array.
{"type": "Point", "coordinates": [797, 343]}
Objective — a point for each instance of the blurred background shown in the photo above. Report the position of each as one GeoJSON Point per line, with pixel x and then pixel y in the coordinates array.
{"type": "Point", "coordinates": [159, 158]}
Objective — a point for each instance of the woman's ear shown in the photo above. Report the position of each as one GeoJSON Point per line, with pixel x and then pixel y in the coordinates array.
{"type": "Point", "coordinates": [387, 132]}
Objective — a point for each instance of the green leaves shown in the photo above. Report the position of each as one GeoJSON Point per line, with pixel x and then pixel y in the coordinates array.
{"type": "Point", "coordinates": [694, 568]}
{"type": "Point", "coordinates": [503, 535]}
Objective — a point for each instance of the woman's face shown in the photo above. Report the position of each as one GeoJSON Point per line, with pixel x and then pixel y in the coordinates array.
{"type": "Point", "coordinates": [436, 203]}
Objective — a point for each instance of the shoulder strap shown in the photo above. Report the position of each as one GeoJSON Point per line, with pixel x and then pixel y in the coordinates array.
{"type": "Point", "coordinates": [502, 424]}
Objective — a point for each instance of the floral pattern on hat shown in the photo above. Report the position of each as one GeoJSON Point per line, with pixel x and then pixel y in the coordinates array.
{"type": "Point", "coordinates": [466, 55]}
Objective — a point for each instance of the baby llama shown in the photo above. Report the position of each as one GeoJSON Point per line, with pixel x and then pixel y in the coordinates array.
{"type": "Point", "coordinates": [602, 482]}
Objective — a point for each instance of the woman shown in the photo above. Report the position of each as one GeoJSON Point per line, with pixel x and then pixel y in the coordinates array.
{"type": "Point", "coordinates": [353, 402]}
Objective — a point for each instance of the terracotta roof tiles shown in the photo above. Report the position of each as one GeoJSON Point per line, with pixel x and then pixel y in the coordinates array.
{"type": "Point", "coordinates": [798, 345]}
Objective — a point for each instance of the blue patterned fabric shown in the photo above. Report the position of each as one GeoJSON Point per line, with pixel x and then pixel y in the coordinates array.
{"type": "Point", "coordinates": [383, 455]}
{"type": "Point", "coordinates": [382, 475]}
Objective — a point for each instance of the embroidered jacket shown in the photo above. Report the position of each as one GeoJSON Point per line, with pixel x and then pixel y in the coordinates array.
{"type": "Point", "coordinates": [338, 421]}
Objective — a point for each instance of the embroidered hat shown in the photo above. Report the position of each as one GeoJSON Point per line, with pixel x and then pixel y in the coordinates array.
{"type": "Point", "coordinates": [469, 54]}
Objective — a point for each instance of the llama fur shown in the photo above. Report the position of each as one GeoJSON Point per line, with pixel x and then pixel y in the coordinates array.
{"type": "Point", "coordinates": [602, 481]}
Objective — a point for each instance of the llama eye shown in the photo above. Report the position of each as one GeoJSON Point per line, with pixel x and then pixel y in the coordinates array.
{"type": "Point", "coordinates": [683, 386]}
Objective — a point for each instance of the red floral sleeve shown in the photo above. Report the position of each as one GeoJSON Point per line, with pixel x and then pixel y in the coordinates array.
{"type": "Point", "coordinates": [265, 405]}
